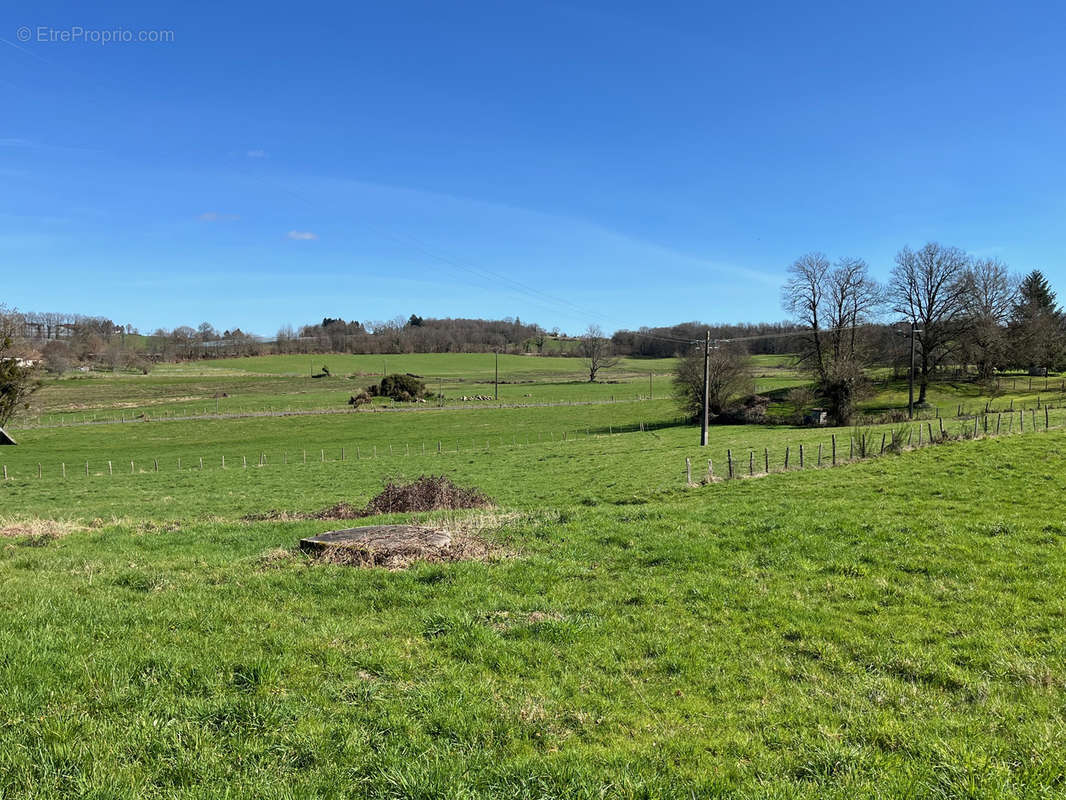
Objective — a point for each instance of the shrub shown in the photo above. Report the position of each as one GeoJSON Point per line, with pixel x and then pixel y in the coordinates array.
{"type": "Point", "coordinates": [729, 377]}
{"type": "Point", "coordinates": [863, 441]}
{"type": "Point", "coordinates": [844, 384]}
{"type": "Point", "coordinates": [427, 493]}
{"type": "Point", "coordinates": [360, 398]}
{"type": "Point", "coordinates": [898, 436]}
{"type": "Point", "coordinates": [404, 388]}
{"type": "Point", "coordinates": [800, 398]}
{"type": "Point", "coordinates": [749, 411]}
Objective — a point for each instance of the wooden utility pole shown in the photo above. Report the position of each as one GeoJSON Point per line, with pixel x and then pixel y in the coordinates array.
{"type": "Point", "coordinates": [706, 388]}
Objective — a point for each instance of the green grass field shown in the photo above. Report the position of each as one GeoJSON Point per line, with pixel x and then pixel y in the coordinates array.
{"type": "Point", "coordinates": [885, 628]}
{"type": "Point", "coordinates": [280, 384]}
{"type": "Point", "coordinates": [283, 383]}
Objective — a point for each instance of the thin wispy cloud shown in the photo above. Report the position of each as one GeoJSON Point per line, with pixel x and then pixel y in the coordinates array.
{"type": "Point", "coordinates": [24, 50]}
{"type": "Point", "coordinates": [302, 236]}
{"type": "Point", "coordinates": [30, 144]}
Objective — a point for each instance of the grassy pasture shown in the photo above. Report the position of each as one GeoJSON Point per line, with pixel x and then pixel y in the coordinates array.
{"type": "Point", "coordinates": [522, 456]}
{"type": "Point", "coordinates": [466, 366]}
{"type": "Point", "coordinates": [280, 383]}
{"type": "Point", "coordinates": [274, 384]}
{"type": "Point", "coordinates": [891, 627]}
{"type": "Point", "coordinates": [888, 628]}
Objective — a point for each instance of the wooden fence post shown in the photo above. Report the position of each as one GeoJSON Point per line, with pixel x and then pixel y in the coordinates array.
{"type": "Point", "coordinates": [834, 449]}
{"type": "Point", "coordinates": [766, 459]}
{"type": "Point", "coordinates": [786, 457]}
{"type": "Point", "coordinates": [851, 452]}
{"type": "Point", "coordinates": [801, 456]}
{"type": "Point", "coordinates": [729, 458]}
{"type": "Point", "coordinates": [688, 470]}
{"type": "Point", "coordinates": [710, 470]}
{"type": "Point", "coordinates": [5, 472]}
{"type": "Point", "coordinates": [1047, 418]}
{"type": "Point", "coordinates": [819, 455]}
{"type": "Point", "coordinates": [751, 463]}
{"type": "Point", "coordinates": [63, 467]}
{"type": "Point", "coordinates": [111, 472]}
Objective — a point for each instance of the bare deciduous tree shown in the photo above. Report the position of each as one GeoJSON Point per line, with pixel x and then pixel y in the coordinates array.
{"type": "Point", "coordinates": [853, 298]}
{"type": "Point", "coordinates": [804, 298]}
{"type": "Point", "coordinates": [597, 351]}
{"type": "Point", "coordinates": [927, 288]}
{"type": "Point", "coordinates": [728, 377]}
{"type": "Point", "coordinates": [17, 381]}
{"type": "Point", "coordinates": [56, 357]}
{"type": "Point", "coordinates": [832, 302]}
{"type": "Point", "coordinates": [989, 293]}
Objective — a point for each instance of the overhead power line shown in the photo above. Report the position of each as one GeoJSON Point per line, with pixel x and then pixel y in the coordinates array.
{"type": "Point", "coordinates": [792, 334]}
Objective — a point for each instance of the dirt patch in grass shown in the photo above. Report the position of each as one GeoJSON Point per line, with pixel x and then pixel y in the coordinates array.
{"type": "Point", "coordinates": [37, 532]}
{"type": "Point", "coordinates": [427, 493]}
{"type": "Point", "coordinates": [341, 510]}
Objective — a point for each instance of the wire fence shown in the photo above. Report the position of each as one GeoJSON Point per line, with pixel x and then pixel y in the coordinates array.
{"type": "Point", "coordinates": [867, 443]}
{"type": "Point", "coordinates": [833, 449]}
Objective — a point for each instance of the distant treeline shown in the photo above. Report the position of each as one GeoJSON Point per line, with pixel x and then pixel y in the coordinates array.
{"type": "Point", "coordinates": [966, 311]}
{"type": "Point", "coordinates": [773, 338]}
{"type": "Point", "coordinates": [414, 335]}
{"type": "Point", "coordinates": [66, 341]}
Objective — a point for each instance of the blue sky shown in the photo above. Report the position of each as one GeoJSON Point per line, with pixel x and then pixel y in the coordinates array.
{"type": "Point", "coordinates": [569, 163]}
